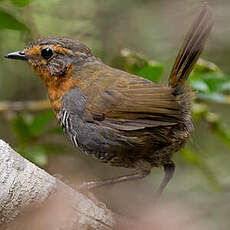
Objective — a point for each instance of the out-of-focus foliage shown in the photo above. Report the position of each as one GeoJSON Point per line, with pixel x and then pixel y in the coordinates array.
{"type": "Point", "coordinates": [136, 64]}
{"type": "Point", "coordinates": [210, 82]}
{"type": "Point", "coordinates": [8, 21]}
{"type": "Point", "coordinates": [21, 3]}
{"type": "Point", "coordinates": [30, 130]}
{"type": "Point", "coordinates": [201, 112]}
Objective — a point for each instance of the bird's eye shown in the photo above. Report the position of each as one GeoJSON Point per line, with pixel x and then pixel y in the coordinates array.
{"type": "Point", "coordinates": [47, 53]}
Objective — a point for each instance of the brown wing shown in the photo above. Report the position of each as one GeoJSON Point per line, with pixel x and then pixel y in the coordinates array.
{"type": "Point", "coordinates": [135, 103]}
{"type": "Point", "coordinates": [132, 103]}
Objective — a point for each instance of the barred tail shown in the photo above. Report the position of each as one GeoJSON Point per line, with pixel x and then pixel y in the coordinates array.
{"type": "Point", "coordinates": [191, 48]}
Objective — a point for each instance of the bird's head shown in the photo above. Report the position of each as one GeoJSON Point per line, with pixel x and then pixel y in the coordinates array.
{"type": "Point", "coordinates": [54, 58]}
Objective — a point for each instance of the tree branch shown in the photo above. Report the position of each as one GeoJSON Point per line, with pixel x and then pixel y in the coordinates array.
{"type": "Point", "coordinates": [30, 198]}
{"type": "Point", "coordinates": [17, 106]}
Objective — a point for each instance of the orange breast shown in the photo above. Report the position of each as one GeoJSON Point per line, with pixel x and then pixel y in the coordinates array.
{"type": "Point", "coordinates": [58, 86]}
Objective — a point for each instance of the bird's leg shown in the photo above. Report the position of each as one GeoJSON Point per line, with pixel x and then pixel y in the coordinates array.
{"type": "Point", "coordinates": [169, 171]}
{"type": "Point", "coordinates": [142, 171]}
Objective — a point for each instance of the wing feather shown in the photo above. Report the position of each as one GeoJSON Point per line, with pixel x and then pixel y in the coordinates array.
{"type": "Point", "coordinates": [133, 103]}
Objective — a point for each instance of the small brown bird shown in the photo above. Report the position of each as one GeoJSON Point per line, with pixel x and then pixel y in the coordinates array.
{"type": "Point", "coordinates": [114, 116]}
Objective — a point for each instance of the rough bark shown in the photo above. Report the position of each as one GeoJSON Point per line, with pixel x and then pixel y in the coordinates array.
{"type": "Point", "coordinates": [30, 198]}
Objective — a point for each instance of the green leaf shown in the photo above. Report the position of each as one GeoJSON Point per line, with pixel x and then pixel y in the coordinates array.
{"type": "Point", "coordinates": [37, 154]}
{"type": "Point", "coordinates": [199, 85]}
{"type": "Point", "coordinates": [136, 64]}
{"type": "Point", "coordinates": [21, 129]}
{"type": "Point", "coordinates": [21, 3]}
{"type": "Point", "coordinates": [216, 82]}
{"type": "Point", "coordinates": [8, 21]}
{"type": "Point", "coordinates": [208, 74]}
{"type": "Point", "coordinates": [40, 122]}
{"type": "Point", "coordinates": [211, 83]}
{"type": "Point", "coordinates": [204, 66]}
{"type": "Point", "coordinates": [150, 72]}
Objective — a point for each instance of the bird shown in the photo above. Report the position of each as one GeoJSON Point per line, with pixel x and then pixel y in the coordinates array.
{"type": "Point", "coordinates": [114, 116]}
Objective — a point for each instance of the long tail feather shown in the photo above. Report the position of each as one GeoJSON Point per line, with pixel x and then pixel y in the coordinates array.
{"type": "Point", "coordinates": [191, 48]}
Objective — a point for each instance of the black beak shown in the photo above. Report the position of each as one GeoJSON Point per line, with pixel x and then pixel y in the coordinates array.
{"type": "Point", "coordinates": [19, 55]}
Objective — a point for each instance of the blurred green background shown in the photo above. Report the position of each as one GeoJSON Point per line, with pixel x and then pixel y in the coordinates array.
{"type": "Point", "coordinates": [141, 37]}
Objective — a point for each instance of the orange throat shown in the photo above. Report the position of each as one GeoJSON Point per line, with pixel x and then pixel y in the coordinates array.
{"type": "Point", "coordinates": [58, 86]}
